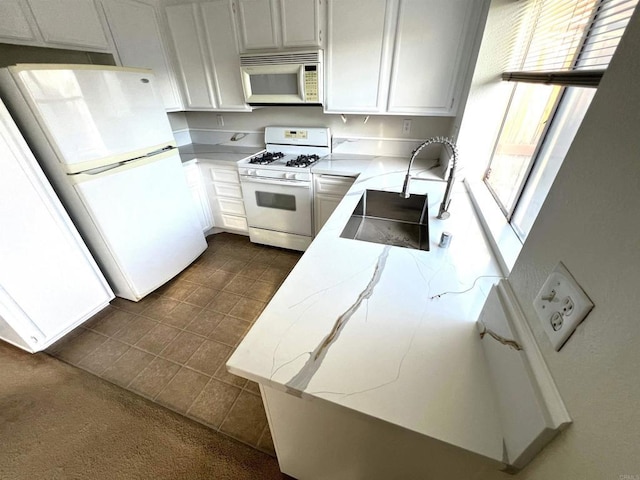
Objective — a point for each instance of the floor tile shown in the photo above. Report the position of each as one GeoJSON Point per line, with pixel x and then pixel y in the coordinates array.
{"type": "Point", "coordinates": [178, 289]}
{"type": "Point", "coordinates": [198, 274]}
{"type": "Point", "coordinates": [182, 347]}
{"type": "Point", "coordinates": [238, 285]}
{"type": "Point", "coordinates": [127, 367]}
{"type": "Point", "coordinates": [224, 302]}
{"type": "Point", "coordinates": [214, 403]}
{"type": "Point", "coordinates": [204, 323]}
{"type": "Point", "coordinates": [172, 345]}
{"type": "Point", "coordinates": [154, 377]}
{"type": "Point", "coordinates": [157, 338]}
{"type": "Point", "coordinates": [209, 356]}
{"type": "Point", "coordinates": [182, 390]}
{"type": "Point", "coordinates": [224, 376]}
{"type": "Point", "coordinates": [230, 331]}
{"type": "Point", "coordinates": [80, 346]}
{"type": "Point", "coordinates": [266, 442]}
{"type": "Point", "coordinates": [111, 324]}
{"type": "Point", "coordinates": [137, 328]}
{"type": "Point", "coordinates": [202, 296]}
{"type": "Point", "coordinates": [260, 290]}
{"type": "Point", "coordinates": [160, 308]}
{"type": "Point", "coordinates": [182, 315]}
{"type": "Point", "coordinates": [254, 269]}
{"type": "Point", "coordinates": [234, 265]}
{"type": "Point", "coordinates": [247, 419]}
{"type": "Point", "coordinates": [247, 309]}
{"type": "Point", "coordinates": [220, 279]}
{"type": "Point", "coordinates": [104, 356]}
{"type": "Point", "coordinates": [133, 307]}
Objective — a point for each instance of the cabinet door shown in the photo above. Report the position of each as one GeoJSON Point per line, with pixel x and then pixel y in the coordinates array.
{"type": "Point", "coordinates": [199, 196]}
{"type": "Point", "coordinates": [300, 21]}
{"type": "Point", "coordinates": [70, 22]}
{"type": "Point", "coordinates": [222, 42]}
{"type": "Point", "coordinates": [14, 21]}
{"type": "Point", "coordinates": [329, 191]}
{"type": "Point", "coordinates": [139, 43]}
{"type": "Point", "coordinates": [258, 24]}
{"type": "Point", "coordinates": [356, 55]}
{"type": "Point", "coordinates": [184, 23]}
{"type": "Point", "coordinates": [431, 53]}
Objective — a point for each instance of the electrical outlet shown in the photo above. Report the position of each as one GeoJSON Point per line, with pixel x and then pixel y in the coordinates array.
{"type": "Point", "coordinates": [406, 127]}
{"type": "Point", "coordinates": [561, 305]}
{"type": "Point", "coordinates": [220, 120]}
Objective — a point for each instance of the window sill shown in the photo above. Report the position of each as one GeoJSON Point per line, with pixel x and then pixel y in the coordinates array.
{"type": "Point", "coordinates": [505, 243]}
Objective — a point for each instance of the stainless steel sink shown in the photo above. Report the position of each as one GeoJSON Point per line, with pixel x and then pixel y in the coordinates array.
{"type": "Point", "coordinates": [389, 219]}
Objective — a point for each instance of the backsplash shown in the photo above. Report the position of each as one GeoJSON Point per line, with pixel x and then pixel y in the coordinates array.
{"type": "Point", "coordinates": [374, 135]}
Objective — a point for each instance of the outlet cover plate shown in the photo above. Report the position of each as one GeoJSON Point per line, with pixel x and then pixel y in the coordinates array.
{"type": "Point", "coordinates": [561, 305]}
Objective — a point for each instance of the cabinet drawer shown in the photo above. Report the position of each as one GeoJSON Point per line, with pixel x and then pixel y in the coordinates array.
{"type": "Point", "coordinates": [231, 206]}
{"type": "Point", "coordinates": [333, 184]}
{"type": "Point", "coordinates": [226, 176]}
{"type": "Point", "coordinates": [227, 190]}
{"type": "Point", "coordinates": [234, 223]}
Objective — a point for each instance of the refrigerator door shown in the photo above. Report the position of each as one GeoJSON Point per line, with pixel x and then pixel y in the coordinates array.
{"type": "Point", "coordinates": [49, 283]}
{"type": "Point", "coordinates": [94, 115]}
{"type": "Point", "coordinates": [145, 215]}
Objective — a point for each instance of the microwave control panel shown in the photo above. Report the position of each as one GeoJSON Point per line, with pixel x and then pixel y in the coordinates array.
{"type": "Point", "coordinates": [311, 83]}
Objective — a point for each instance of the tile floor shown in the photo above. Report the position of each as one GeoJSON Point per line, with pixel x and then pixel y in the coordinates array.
{"type": "Point", "coordinates": [172, 346]}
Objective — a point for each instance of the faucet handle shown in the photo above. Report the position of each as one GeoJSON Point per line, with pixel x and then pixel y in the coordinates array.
{"type": "Point", "coordinates": [405, 186]}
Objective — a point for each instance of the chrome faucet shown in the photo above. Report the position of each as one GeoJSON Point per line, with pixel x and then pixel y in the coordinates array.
{"type": "Point", "coordinates": [443, 212]}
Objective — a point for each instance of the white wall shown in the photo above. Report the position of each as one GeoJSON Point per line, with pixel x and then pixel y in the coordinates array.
{"type": "Point", "coordinates": [591, 222]}
{"type": "Point", "coordinates": [379, 126]}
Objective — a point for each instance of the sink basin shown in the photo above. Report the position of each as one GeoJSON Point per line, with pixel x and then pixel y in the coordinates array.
{"type": "Point", "coordinates": [389, 219]}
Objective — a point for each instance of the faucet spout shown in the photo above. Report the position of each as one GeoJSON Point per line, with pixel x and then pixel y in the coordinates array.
{"type": "Point", "coordinates": [443, 212]}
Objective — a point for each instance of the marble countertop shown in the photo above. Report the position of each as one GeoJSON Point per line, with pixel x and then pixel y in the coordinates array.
{"type": "Point", "coordinates": [386, 331]}
{"type": "Point", "coordinates": [216, 153]}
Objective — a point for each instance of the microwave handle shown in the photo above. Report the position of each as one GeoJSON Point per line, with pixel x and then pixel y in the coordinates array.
{"type": "Point", "coordinates": [301, 84]}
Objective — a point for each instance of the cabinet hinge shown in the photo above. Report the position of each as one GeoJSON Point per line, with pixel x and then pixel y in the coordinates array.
{"type": "Point", "coordinates": [453, 99]}
{"type": "Point", "coordinates": [487, 174]}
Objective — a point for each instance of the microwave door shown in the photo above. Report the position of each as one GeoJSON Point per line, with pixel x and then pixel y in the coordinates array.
{"type": "Point", "coordinates": [265, 84]}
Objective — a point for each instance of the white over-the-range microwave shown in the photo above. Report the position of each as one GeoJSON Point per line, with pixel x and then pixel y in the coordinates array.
{"type": "Point", "coordinates": [282, 78]}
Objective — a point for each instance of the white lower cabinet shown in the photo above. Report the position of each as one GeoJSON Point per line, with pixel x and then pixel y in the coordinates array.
{"type": "Point", "coordinates": [328, 192]}
{"type": "Point", "coordinates": [222, 185]}
{"type": "Point", "coordinates": [199, 195]}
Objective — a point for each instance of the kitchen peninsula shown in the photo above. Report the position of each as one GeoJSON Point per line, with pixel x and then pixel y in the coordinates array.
{"type": "Point", "coordinates": [368, 357]}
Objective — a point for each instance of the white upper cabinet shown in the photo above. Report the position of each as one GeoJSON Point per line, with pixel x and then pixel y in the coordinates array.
{"type": "Point", "coordinates": [184, 23]}
{"type": "Point", "coordinates": [75, 23]}
{"type": "Point", "coordinates": [433, 43]}
{"type": "Point", "coordinates": [16, 22]}
{"type": "Point", "coordinates": [222, 42]}
{"type": "Point", "coordinates": [355, 56]}
{"type": "Point", "coordinates": [407, 57]}
{"type": "Point", "coordinates": [205, 41]}
{"type": "Point", "coordinates": [138, 40]}
{"type": "Point", "coordinates": [275, 24]}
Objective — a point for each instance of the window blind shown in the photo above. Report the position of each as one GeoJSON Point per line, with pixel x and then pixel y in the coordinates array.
{"type": "Point", "coordinates": [567, 42]}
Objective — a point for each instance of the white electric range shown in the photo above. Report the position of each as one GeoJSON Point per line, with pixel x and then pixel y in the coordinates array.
{"type": "Point", "coordinates": [277, 186]}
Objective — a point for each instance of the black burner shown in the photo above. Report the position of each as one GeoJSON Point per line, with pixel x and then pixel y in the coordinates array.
{"type": "Point", "coordinates": [303, 161]}
{"type": "Point", "coordinates": [266, 158]}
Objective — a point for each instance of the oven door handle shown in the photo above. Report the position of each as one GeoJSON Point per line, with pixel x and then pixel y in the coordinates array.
{"type": "Point", "coordinates": [288, 183]}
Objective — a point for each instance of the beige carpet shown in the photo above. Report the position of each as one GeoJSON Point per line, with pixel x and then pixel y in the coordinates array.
{"type": "Point", "coordinates": [59, 422]}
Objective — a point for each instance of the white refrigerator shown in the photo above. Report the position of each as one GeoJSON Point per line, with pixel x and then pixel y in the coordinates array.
{"type": "Point", "coordinates": [49, 282]}
{"type": "Point", "coordinates": [104, 141]}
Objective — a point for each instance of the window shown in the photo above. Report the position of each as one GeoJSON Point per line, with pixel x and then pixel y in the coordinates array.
{"type": "Point", "coordinates": [562, 49]}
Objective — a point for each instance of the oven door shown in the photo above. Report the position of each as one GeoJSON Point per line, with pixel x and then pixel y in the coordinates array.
{"type": "Point", "coordinates": [278, 205]}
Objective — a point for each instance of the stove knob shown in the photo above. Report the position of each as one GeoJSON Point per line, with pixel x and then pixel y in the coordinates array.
{"type": "Point", "coordinates": [251, 172]}
{"type": "Point", "coordinates": [290, 176]}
